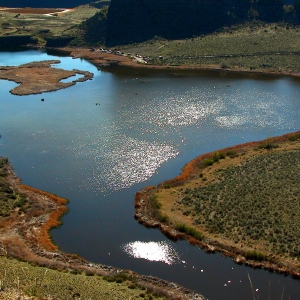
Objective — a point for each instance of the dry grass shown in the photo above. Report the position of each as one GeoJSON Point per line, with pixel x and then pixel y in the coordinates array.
{"type": "Point", "coordinates": [40, 25]}
{"type": "Point", "coordinates": [253, 46]}
{"type": "Point", "coordinates": [35, 11]}
{"type": "Point", "coordinates": [248, 201]}
{"type": "Point", "coordinates": [20, 279]}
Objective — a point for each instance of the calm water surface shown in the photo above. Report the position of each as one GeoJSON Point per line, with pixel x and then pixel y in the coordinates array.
{"type": "Point", "coordinates": [144, 128]}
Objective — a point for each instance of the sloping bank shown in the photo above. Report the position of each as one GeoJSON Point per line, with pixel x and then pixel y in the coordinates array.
{"type": "Point", "coordinates": [27, 215]}
{"type": "Point", "coordinates": [178, 206]}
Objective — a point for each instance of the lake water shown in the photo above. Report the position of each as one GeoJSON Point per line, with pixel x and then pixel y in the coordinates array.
{"type": "Point", "coordinates": [97, 143]}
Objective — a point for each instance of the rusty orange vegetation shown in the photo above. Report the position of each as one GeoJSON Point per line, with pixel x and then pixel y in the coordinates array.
{"type": "Point", "coordinates": [44, 237]}
{"type": "Point", "coordinates": [192, 168]}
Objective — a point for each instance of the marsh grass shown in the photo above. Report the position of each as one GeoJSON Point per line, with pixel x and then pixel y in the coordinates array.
{"type": "Point", "coordinates": [189, 231]}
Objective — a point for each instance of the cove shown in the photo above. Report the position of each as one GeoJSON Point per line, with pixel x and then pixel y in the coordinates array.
{"type": "Point", "coordinates": [147, 125]}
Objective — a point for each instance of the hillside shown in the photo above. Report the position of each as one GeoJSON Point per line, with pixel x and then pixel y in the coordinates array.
{"type": "Point", "coordinates": [134, 21]}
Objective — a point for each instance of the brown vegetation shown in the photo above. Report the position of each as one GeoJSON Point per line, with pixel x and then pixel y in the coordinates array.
{"type": "Point", "coordinates": [40, 77]}
{"type": "Point", "coordinates": [24, 234]}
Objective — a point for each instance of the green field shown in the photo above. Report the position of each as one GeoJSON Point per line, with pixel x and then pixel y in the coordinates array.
{"type": "Point", "coordinates": [256, 201]}
{"type": "Point", "coordinates": [22, 279]}
{"type": "Point", "coordinates": [248, 199]}
{"type": "Point", "coordinates": [251, 46]}
{"type": "Point", "coordinates": [43, 26]}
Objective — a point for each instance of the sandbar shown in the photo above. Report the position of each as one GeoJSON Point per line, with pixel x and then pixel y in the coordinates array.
{"type": "Point", "coordinates": [40, 77]}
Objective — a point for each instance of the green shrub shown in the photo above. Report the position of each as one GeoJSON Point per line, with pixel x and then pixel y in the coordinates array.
{"type": "Point", "coordinates": [209, 161]}
{"type": "Point", "coordinates": [189, 231]}
{"type": "Point", "coordinates": [231, 153]}
{"type": "Point", "coordinates": [163, 218]}
{"type": "Point", "coordinates": [155, 203]}
{"type": "Point", "coordinates": [294, 137]}
{"type": "Point", "coordinates": [255, 255]}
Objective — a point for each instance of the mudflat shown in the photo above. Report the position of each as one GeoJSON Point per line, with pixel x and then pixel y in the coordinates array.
{"type": "Point", "coordinates": [40, 77]}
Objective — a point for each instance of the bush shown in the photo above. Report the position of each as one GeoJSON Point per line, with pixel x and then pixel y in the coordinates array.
{"type": "Point", "coordinates": [209, 161]}
{"type": "Point", "coordinates": [255, 255]}
{"type": "Point", "coordinates": [155, 203]}
{"type": "Point", "coordinates": [189, 231]}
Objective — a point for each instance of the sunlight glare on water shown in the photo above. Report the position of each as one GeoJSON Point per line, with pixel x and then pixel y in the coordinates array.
{"type": "Point", "coordinates": [181, 110]}
{"type": "Point", "coordinates": [153, 251]}
{"type": "Point", "coordinates": [120, 160]}
{"type": "Point", "coordinates": [261, 109]}
{"type": "Point", "coordinates": [121, 155]}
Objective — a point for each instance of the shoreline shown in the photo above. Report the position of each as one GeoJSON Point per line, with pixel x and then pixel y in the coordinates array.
{"type": "Point", "coordinates": [40, 77]}
{"type": "Point", "coordinates": [48, 254]}
{"type": "Point", "coordinates": [145, 215]}
{"type": "Point", "coordinates": [107, 60]}
{"type": "Point", "coordinates": [26, 237]}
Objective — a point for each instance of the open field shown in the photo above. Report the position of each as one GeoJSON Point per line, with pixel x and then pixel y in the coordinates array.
{"type": "Point", "coordinates": [253, 46]}
{"type": "Point", "coordinates": [20, 279]}
{"type": "Point", "coordinates": [42, 23]}
{"type": "Point", "coordinates": [244, 199]}
{"type": "Point", "coordinates": [36, 11]}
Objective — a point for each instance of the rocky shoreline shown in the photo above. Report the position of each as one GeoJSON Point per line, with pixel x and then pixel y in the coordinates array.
{"type": "Point", "coordinates": [145, 215]}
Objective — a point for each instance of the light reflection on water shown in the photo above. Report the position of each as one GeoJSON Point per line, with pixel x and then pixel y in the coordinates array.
{"type": "Point", "coordinates": [152, 251]}
{"type": "Point", "coordinates": [120, 160]}
{"type": "Point", "coordinates": [139, 135]}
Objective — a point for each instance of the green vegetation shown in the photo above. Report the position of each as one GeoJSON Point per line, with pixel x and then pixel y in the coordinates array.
{"type": "Point", "coordinates": [256, 202]}
{"type": "Point", "coordinates": [10, 201]}
{"type": "Point", "coordinates": [155, 208]}
{"type": "Point", "coordinates": [267, 145]}
{"type": "Point", "coordinates": [215, 158]}
{"type": "Point", "coordinates": [251, 46]}
{"type": "Point", "coordinates": [189, 231]}
{"type": "Point", "coordinates": [91, 31]}
{"type": "Point", "coordinates": [20, 278]}
{"type": "Point", "coordinates": [255, 255]}
{"type": "Point", "coordinates": [35, 27]}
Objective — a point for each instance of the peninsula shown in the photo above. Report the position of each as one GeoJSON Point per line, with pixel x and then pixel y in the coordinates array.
{"type": "Point", "coordinates": [241, 201]}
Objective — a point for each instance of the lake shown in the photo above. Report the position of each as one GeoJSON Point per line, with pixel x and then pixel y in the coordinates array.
{"type": "Point", "coordinates": [97, 143]}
